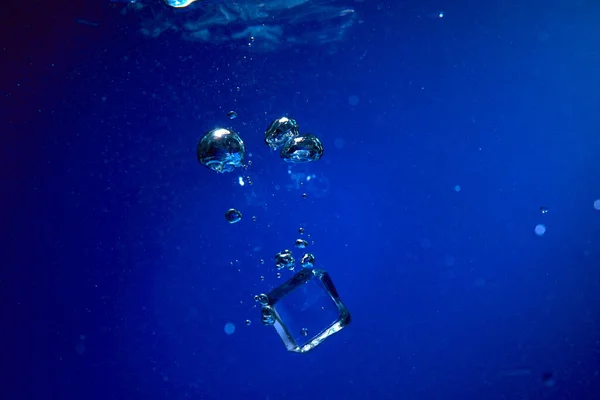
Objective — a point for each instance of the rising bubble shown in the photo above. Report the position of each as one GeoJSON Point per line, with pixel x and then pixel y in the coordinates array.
{"type": "Point", "coordinates": [221, 150]}
{"type": "Point", "coordinates": [302, 149]}
{"type": "Point", "coordinates": [284, 259]}
{"type": "Point", "coordinates": [232, 216]}
{"type": "Point", "coordinates": [280, 131]}
{"type": "Point", "coordinates": [301, 243]}
{"type": "Point", "coordinates": [307, 260]}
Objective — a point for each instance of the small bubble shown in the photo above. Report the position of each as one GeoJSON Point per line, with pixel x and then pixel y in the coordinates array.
{"type": "Point", "coordinates": [307, 260]}
{"type": "Point", "coordinates": [248, 322]}
{"type": "Point", "coordinates": [232, 115]}
{"type": "Point", "coordinates": [267, 317]}
{"type": "Point", "coordinates": [301, 230]}
{"type": "Point", "coordinates": [232, 216]}
{"type": "Point", "coordinates": [278, 275]}
{"type": "Point", "coordinates": [457, 188]}
{"type": "Point", "coordinates": [301, 243]}
{"type": "Point", "coordinates": [304, 195]}
{"type": "Point", "coordinates": [254, 218]}
{"type": "Point", "coordinates": [304, 331]}
{"type": "Point", "coordinates": [261, 261]}
{"type": "Point", "coordinates": [262, 298]}
{"type": "Point", "coordinates": [543, 210]}
{"type": "Point", "coordinates": [262, 278]}
{"type": "Point", "coordinates": [284, 259]}
{"type": "Point", "coordinates": [597, 204]}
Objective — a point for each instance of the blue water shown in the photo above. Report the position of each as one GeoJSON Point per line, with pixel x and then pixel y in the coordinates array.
{"type": "Point", "coordinates": [120, 271]}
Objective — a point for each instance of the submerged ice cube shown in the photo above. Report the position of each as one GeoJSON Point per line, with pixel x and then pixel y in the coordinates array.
{"type": "Point", "coordinates": [305, 310]}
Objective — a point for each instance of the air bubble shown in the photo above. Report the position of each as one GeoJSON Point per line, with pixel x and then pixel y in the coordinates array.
{"type": "Point", "coordinates": [232, 216]}
{"type": "Point", "coordinates": [221, 150]}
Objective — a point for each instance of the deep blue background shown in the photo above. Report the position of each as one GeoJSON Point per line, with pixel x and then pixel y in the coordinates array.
{"type": "Point", "coordinates": [120, 271]}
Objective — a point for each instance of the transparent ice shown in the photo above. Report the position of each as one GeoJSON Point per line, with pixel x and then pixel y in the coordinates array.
{"type": "Point", "coordinates": [305, 310]}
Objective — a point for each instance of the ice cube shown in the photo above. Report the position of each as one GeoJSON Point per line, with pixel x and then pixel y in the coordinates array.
{"type": "Point", "coordinates": [305, 310]}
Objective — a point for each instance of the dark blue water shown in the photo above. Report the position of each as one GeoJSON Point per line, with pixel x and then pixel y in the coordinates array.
{"type": "Point", "coordinates": [120, 271]}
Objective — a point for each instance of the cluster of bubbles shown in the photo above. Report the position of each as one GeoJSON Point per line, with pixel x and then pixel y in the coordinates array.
{"type": "Point", "coordinates": [267, 317]}
{"type": "Point", "coordinates": [285, 259]}
{"type": "Point", "coordinates": [223, 150]}
{"type": "Point", "coordinates": [283, 134]}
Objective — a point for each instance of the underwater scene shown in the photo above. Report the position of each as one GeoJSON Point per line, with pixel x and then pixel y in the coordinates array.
{"type": "Point", "coordinates": [300, 199]}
